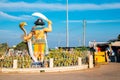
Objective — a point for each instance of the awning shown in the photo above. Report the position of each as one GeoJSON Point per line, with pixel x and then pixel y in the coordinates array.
{"type": "Point", "coordinates": [117, 43]}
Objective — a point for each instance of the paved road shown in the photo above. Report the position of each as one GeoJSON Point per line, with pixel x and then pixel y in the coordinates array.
{"type": "Point", "coordinates": [110, 71]}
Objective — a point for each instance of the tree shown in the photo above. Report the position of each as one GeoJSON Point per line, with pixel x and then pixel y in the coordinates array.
{"type": "Point", "coordinates": [21, 46]}
{"type": "Point", "coordinates": [119, 37]}
{"type": "Point", "coordinates": [3, 46]}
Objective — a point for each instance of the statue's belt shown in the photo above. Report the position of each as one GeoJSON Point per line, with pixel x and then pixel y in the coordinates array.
{"type": "Point", "coordinates": [37, 41]}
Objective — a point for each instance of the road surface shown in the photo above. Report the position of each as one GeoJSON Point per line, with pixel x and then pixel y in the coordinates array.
{"type": "Point", "coordinates": [109, 71]}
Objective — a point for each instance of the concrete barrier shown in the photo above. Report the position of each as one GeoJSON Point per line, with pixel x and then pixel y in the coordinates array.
{"type": "Point", "coordinates": [80, 66]}
{"type": "Point", "coordinates": [39, 70]}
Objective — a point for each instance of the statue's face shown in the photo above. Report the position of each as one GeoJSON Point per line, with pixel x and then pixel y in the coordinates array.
{"type": "Point", "coordinates": [40, 27]}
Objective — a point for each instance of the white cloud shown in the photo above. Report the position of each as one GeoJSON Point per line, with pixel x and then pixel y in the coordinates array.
{"type": "Point", "coordinates": [5, 31]}
{"type": "Point", "coordinates": [94, 6]}
{"type": "Point", "coordinates": [3, 0]}
{"type": "Point", "coordinates": [102, 21]}
{"type": "Point", "coordinates": [74, 21]}
{"type": "Point", "coordinates": [5, 15]}
{"type": "Point", "coordinates": [8, 33]}
{"type": "Point", "coordinates": [11, 37]}
{"type": "Point", "coordinates": [93, 21]}
{"type": "Point", "coordinates": [23, 6]}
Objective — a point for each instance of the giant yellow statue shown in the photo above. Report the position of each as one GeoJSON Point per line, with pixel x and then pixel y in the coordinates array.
{"type": "Point", "coordinates": [38, 37]}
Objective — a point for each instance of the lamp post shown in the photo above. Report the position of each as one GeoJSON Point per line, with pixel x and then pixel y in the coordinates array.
{"type": "Point", "coordinates": [67, 32]}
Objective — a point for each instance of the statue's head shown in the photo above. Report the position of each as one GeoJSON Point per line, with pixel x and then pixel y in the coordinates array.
{"type": "Point", "coordinates": [39, 22]}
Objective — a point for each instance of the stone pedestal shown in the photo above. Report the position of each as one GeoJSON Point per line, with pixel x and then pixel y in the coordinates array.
{"type": "Point", "coordinates": [79, 61]}
{"type": "Point", "coordinates": [90, 61]}
{"type": "Point", "coordinates": [14, 63]}
{"type": "Point", "coordinates": [51, 63]}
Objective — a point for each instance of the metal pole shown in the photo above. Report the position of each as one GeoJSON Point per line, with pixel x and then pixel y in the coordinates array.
{"type": "Point", "coordinates": [84, 26]}
{"type": "Point", "coordinates": [67, 32]}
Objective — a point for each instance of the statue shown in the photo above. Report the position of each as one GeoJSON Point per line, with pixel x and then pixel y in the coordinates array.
{"type": "Point", "coordinates": [36, 39]}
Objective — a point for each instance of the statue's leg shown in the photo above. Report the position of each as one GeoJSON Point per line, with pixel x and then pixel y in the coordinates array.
{"type": "Point", "coordinates": [41, 51]}
{"type": "Point", "coordinates": [36, 50]}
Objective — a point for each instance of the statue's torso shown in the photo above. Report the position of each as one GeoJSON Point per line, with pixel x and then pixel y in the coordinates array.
{"type": "Point", "coordinates": [38, 35]}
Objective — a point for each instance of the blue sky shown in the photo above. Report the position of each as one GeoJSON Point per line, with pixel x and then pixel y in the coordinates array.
{"type": "Point", "coordinates": [102, 17]}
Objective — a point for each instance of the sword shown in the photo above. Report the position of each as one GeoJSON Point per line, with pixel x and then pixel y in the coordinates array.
{"type": "Point", "coordinates": [40, 15]}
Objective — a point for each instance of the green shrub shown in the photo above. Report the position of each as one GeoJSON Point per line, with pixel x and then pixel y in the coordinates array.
{"type": "Point", "coordinates": [60, 56]}
{"type": "Point", "coordinates": [66, 58]}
